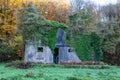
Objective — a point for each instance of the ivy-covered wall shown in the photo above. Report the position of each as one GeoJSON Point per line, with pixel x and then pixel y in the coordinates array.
{"type": "Point", "coordinates": [96, 41]}
{"type": "Point", "coordinates": [47, 32]}
{"type": "Point", "coordinates": [76, 38]}
{"type": "Point", "coordinates": [83, 48]}
{"type": "Point", "coordinates": [81, 41]}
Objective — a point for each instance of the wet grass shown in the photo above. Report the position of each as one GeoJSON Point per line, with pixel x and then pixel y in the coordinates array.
{"type": "Point", "coordinates": [58, 72]}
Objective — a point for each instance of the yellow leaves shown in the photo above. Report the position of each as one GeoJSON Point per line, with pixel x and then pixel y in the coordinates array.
{"type": "Point", "coordinates": [54, 9]}
{"type": "Point", "coordinates": [17, 40]}
{"type": "Point", "coordinates": [15, 3]}
{"type": "Point", "coordinates": [51, 9]}
{"type": "Point", "coordinates": [7, 30]}
{"type": "Point", "coordinates": [7, 18]}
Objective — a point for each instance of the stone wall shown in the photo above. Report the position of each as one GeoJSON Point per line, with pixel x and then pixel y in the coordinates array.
{"type": "Point", "coordinates": [39, 54]}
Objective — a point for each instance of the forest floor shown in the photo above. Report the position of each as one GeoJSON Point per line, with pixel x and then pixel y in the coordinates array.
{"type": "Point", "coordinates": [58, 73]}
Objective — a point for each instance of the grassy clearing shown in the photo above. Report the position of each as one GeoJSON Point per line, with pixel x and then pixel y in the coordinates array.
{"type": "Point", "coordinates": [39, 72]}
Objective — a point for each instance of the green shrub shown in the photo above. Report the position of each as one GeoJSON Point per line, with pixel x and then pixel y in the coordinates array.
{"type": "Point", "coordinates": [6, 52]}
{"type": "Point", "coordinates": [6, 48]}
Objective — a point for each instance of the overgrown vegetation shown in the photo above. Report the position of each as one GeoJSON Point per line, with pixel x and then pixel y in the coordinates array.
{"type": "Point", "coordinates": [7, 52]}
{"type": "Point", "coordinates": [103, 21]}
{"type": "Point", "coordinates": [35, 27]}
{"type": "Point", "coordinates": [84, 43]}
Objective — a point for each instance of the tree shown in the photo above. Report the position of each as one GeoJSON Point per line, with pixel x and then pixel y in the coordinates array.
{"type": "Point", "coordinates": [76, 5]}
{"type": "Point", "coordinates": [54, 10]}
{"type": "Point", "coordinates": [9, 40]}
{"type": "Point", "coordinates": [35, 27]}
{"type": "Point", "coordinates": [109, 27]}
{"type": "Point", "coordinates": [83, 18]}
{"type": "Point", "coordinates": [7, 18]}
{"type": "Point", "coordinates": [27, 19]}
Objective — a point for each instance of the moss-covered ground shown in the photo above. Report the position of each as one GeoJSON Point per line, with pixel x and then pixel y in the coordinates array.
{"type": "Point", "coordinates": [58, 73]}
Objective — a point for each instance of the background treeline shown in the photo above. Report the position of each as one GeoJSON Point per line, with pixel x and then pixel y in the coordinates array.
{"type": "Point", "coordinates": [93, 30]}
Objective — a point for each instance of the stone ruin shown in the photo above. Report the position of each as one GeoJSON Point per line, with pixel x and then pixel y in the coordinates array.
{"type": "Point", "coordinates": [43, 54]}
{"type": "Point", "coordinates": [63, 52]}
{"type": "Point", "coordinates": [38, 54]}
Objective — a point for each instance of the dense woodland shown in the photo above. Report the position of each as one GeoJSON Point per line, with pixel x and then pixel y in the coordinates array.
{"type": "Point", "coordinates": [89, 28]}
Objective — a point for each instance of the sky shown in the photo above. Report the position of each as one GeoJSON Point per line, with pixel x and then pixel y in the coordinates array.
{"type": "Point", "coordinates": [103, 2]}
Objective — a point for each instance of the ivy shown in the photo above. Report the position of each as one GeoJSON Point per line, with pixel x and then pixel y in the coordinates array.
{"type": "Point", "coordinates": [48, 32]}
{"type": "Point", "coordinates": [96, 41]}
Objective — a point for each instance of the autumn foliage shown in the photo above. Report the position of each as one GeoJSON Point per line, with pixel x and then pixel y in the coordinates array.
{"type": "Point", "coordinates": [54, 9]}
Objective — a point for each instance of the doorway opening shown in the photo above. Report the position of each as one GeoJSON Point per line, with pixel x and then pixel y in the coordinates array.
{"type": "Point", "coordinates": [56, 55]}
